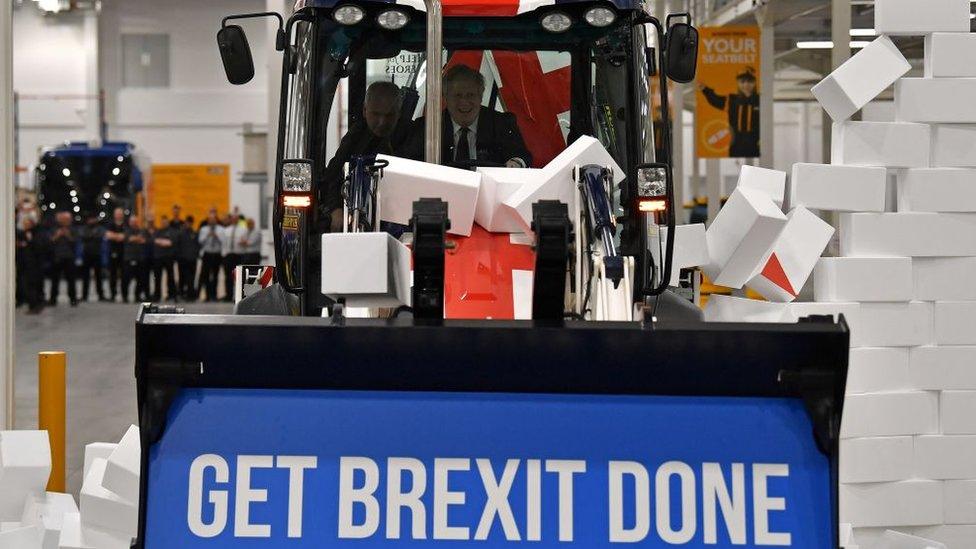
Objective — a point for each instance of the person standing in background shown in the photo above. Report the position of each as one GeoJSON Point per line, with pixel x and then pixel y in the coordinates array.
{"type": "Point", "coordinates": [209, 237]}
{"type": "Point", "coordinates": [92, 235]}
{"type": "Point", "coordinates": [163, 260]}
{"type": "Point", "coordinates": [64, 239]}
{"type": "Point", "coordinates": [232, 253]}
{"type": "Point", "coordinates": [134, 256]}
{"type": "Point", "coordinates": [187, 254]}
{"type": "Point", "coordinates": [30, 274]}
{"type": "Point", "coordinates": [251, 244]}
{"type": "Point", "coordinates": [115, 238]}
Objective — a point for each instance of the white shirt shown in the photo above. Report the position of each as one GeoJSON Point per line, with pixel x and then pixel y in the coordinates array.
{"type": "Point", "coordinates": [253, 245]}
{"type": "Point", "coordinates": [211, 239]}
{"type": "Point", "coordinates": [472, 138]}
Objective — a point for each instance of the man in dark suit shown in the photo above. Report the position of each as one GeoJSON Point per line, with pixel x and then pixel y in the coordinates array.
{"type": "Point", "coordinates": [381, 111]}
{"type": "Point", "coordinates": [471, 132]}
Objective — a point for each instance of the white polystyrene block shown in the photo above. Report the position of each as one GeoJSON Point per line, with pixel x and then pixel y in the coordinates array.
{"type": "Point", "coordinates": [907, 234]}
{"type": "Point", "coordinates": [740, 239]}
{"type": "Point", "coordinates": [557, 182]}
{"type": "Point", "coordinates": [958, 415]}
{"type": "Point", "coordinates": [25, 465]}
{"type": "Point", "coordinates": [878, 459]}
{"type": "Point", "coordinates": [960, 502]}
{"type": "Point", "coordinates": [101, 538]}
{"type": "Point", "coordinates": [723, 308]}
{"type": "Point", "coordinates": [406, 181]}
{"type": "Point", "coordinates": [899, 540]}
{"type": "Point", "coordinates": [905, 503]}
{"type": "Point", "coordinates": [943, 368]}
{"type": "Point", "coordinates": [955, 322]}
{"type": "Point", "coordinates": [937, 190]}
{"type": "Point", "coordinates": [6, 526]}
{"type": "Point", "coordinates": [94, 451]}
{"type": "Point", "coordinates": [861, 78]}
{"type": "Point", "coordinates": [851, 312]}
{"type": "Point", "coordinates": [103, 509]}
{"type": "Point", "coordinates": [869, 538]}
{"type": "Point", "coordinates": [770, 182]}
{"type": "Point", "coordinates": [879, 369]}
{"type": "Point", "coordinates": [952, 145]}
{"type": "Point", "coordinates": [25, 537]}
{"type": "Point", "coordinates": [950, 55]}
{"type": "Point", "coordinates": [367, 269]}
{"type": "Point", "coordinates": [935, 100]}
{"type": "Point", "coordinates": [890, 414]}
{"type": "Point", "coordinates": [953, 536]}
{"type": "Point", "coordinates": [122, 466]}
{"type": "Point", "coordinates": [891, 191]}
{"type": "Point", "coordinates": [497, 184]}
{"type": "Point", "coordinates": [909, 17]}
{"type": "Point", "coordinates": [47, 511]}
{"type": "Point", "coordinates": [71, 536]}
{"type": "Point", "coordinates": [793, 257]}
{"type": "Point", "coordinates": [690, 249]}
{"type": "Point", "coordinates": [838, 188]}
{"type": "Point", "coordinates": [863, 279]}
{"type": "Point", "coordinates": [895, 324]}
{"type": "Point", "coordinates": [888, 144]}
{"type": "Point", "coordinates": [944, 278]}
{"type": "Point", "coordinates": [942, 457]}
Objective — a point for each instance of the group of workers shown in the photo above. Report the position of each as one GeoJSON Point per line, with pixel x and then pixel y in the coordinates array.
{"type": "Point", "coordinates": [132, 253]}
{"type": "Point", "coordinates": [471, 134]}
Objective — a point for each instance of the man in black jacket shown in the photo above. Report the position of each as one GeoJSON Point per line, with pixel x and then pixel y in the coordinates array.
{"type": "Point", "coordinates": [163, 260]}
{"type": "Point", "coordinates": [64, 239]}
{"type": "Point", "coordinates": [30, 272]}
{"type": "Point", "coordinates": [470, 132]}
{"type": "Point", "coordinates": [381, 110]}
{"type": "Point", "coordinates": [187, 254]}
{"type": "Point", "coordinates": [92, 235]}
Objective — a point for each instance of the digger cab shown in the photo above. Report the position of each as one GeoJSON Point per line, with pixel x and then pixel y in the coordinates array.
{"type": "Point", "coordinates": [562, 70]}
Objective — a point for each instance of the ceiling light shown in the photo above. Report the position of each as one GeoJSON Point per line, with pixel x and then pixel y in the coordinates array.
{"type": "Point", "coordinates": [863, 32]}
{"type": "Point", "coordinates": [827, 44]}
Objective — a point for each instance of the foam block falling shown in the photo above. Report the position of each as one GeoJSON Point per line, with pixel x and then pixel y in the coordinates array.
{"type": "Point", "coordinates": [25, 465]}
{"type": "Point", "coordinates": [122, 466]}
{"type": "Point", "coordinates": [793, 257]}
{"type": "Point", "coordinates": [690, 249]}
{"type": "Point", "coordinates": [405, 181]}
{"type": "Point", "coordinates": [861, 78]}
{"type": "Point", "coordinates": [770, 182]}
{"type": "Point", "coordinates": [102, 509]}
{"type": "Point", "coordinates": [497, 184]}
{"type": "Point", "coordinates": [741, 238]}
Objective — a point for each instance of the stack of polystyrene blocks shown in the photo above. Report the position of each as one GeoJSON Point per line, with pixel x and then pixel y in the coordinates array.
{"type": "Point", "coordinates": [109, 496]}
{"type": "Point", "coordinates": [907, 271]}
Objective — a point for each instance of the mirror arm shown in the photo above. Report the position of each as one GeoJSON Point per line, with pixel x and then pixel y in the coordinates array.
{"type": "Point", "coordinates": [279, 37]}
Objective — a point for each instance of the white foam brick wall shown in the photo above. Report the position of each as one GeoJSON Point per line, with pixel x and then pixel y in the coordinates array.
{"type": "Point", "coordinates": [908, 454]}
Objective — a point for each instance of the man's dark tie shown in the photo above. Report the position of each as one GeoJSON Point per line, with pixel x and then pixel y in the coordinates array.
{"type": "Point", "coordinates": [463, 150]}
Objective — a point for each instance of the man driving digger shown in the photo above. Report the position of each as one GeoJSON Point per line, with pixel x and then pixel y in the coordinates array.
{"type": "Point", "coordinates": [472, 134]}
{"type": "Point", "coordinates": [381, 110]}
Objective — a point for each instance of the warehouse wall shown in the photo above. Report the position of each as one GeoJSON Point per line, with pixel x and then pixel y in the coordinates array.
{"type": "Point", "coordinates": [197, 119]}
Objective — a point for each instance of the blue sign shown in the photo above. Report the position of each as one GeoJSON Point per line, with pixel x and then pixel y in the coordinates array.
{"type": "Point", "coordinates": [337, 469]}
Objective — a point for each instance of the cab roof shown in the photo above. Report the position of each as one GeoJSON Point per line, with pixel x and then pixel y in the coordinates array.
{"type": "Point", "coordinates": [478, 8]}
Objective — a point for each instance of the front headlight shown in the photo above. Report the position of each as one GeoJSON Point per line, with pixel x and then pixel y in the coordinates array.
{"type": "Point", "coordinates": [556, 22]}
{"type": "Point", "coordinates": [348, 14]}
{"type": "Point", "coordinates": [296, 176]}
{"type": "Point", "coordinates": [392, 19]}
{"type": "Point", "coordinates": [600, 16]}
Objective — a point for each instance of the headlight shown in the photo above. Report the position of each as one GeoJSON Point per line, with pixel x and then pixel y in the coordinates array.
{"type": "Point", "coordinates": [296, 176]}
{"type": "Point", "coordinates": [652, 182]}
{"type": "Point", "coordinates": [392, 19]}
{"type": "Point", "coordinates": [348, 14]}
{"type": "Point", "coordinates": [556, 21]}
{"type": "Point", "coordinates": [600, 16]}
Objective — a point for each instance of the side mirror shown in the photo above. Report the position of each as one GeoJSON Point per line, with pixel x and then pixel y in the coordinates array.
{"type": "Point", "coordinates": [682, 52]}
{"type": "Point", "coordinates": [235, 53]}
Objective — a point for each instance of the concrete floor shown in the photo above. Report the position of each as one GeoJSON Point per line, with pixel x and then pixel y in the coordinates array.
{"type": "Point", "coordinates": [98, 338]}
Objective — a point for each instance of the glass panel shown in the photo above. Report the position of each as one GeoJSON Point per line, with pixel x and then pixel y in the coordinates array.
{"type": "Point", "coordinates": [296, 134]}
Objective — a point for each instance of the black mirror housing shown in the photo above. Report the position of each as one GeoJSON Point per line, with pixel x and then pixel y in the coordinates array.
{"type": "Point", "coordinates": [682, 52]}
{"type": "Point", "coordinates": [235, 53]}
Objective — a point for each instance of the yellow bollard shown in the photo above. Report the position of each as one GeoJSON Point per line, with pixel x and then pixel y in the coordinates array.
{"type": "Point", "coordinates": [52, 394]}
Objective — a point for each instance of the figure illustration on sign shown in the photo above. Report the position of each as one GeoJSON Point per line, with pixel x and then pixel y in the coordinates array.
{"type": "Point", "coordinates": [743, 109]}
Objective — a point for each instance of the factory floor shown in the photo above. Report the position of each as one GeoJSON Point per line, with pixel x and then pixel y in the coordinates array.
{"type": "Point", "coordinates": [99, 341]}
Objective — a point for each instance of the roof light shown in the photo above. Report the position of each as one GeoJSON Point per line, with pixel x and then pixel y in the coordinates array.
{"type": "Point", "coordinates": [77, 208]}
{"type": "Point", "coordinates": [392, 19]}
{"type": "Point", "coordinates": [297, 201]}
{"type": "Point", "coordinates": [52, 205]}
{"type": "Point", "coordinates": [121, 158]}
{"type": "Point", "coordinates": [600, 16]}
{"type": "Point", "coordinates": [348, 14]}
{"type": "Point", "coordinates": [116, 171]}
{"type": "Point", "coordinates": [66, 172]}
{"type": "Point", "coordinates": [556, 21]}
{"type": "Point", "coordinates": [106, 195]}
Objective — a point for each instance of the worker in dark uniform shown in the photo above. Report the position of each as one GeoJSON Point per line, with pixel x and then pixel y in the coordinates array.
{"type": "Point", "coordinates": [743, 109]}
{"type": "Point", "coordinates": [134, 254]}
{"type": "Point", "coordinates": [164, 259]}
{"type": "Point", "coordinates": [115, 241]}
{"type": "Point", "coordinates": [470, 132]}
{"type": "Point", "coordinates": [65, 253]}
{"type": "Point", "coordinates": [92, 235]}
{"type": "Point", "coordinates": [381, 111]}
{"type": "Point", "coordinates": [210, 237]}
{"type": "Point", "coordinates": [30, 273]}
{"type": "Point", "coordinates": [187, 254]}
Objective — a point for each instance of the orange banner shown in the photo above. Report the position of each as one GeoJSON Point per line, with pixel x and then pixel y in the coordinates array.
{"type": "Point", "coordinates": [195, 187]}
{"type": "Point", "coordinates": [727, 116]}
